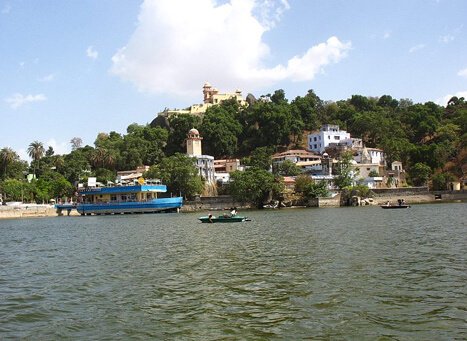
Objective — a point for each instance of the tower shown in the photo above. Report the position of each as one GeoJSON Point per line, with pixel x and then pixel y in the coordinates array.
{"type": "Point", "coordinates": [326, 163]}
{"type": "Point", "coordinates": [193, 143]}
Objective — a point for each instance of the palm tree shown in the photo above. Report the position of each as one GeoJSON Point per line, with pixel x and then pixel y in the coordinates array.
{"type": "Point", "coordinates": [36, 150]}
{"type": "Point", "coordinates": [98, 157]}
{"type": "Point", "coordinates": [7, 156]}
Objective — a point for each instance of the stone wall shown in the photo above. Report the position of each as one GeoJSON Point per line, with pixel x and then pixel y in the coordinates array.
{"type": "Point", "coordinates": [399, 191]}
{"type": "Point", "coordinates": [9, 212]}
{"type": "Point", "coordinates": [330, 202]}
{"type": "Point", "coordinates": [221, 202]}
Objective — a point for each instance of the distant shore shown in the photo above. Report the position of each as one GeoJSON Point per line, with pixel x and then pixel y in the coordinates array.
{"type": "Point", "coordinates": [35, 210]}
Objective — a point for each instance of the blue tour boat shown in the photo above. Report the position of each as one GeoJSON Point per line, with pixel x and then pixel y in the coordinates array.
{"type": "Point", "coordinates": [139, 197]}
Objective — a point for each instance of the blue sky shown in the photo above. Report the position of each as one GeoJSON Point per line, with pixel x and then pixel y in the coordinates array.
{"type": "Point", "coordinates": [76, 68]}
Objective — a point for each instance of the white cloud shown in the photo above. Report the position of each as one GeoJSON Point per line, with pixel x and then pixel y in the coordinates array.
{"type": "Point", "coordinates": [91, 53]}
{"type": "Point", "coordinates": [178, 45]}
{"type": "Point", "coordinates": [462, 73]}
{"type": "Point", "coordinates": [23, 154]}
{"type": "Point", "coordinates": [446, 38]}
{"type": "Point", "coordinates": [59, 147]}
{"type": "Point", "coordinates": [416, 48]}
{"type": "Point", "coordinates": [18, 100]}
{"type": "Point", "coordinates": [444, 101]}
{"type": "Point", "coordinates": [47, 78]}
{"type": "Point", "coordinates": [387, 35]}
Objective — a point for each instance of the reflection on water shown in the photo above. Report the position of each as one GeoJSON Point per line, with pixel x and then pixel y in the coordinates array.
{"type": "Point", "coordinates": [347, 273]}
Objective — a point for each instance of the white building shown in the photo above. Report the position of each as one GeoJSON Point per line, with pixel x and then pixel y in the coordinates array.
{"type": "Point", "coordinates": [330, 134]}
{"type": "Point", "coordinates": [204, 163]}
{"type": "Point", "coordinates": [370, 155]}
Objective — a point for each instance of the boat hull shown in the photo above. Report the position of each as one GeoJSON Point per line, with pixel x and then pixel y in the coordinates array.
{"type": "Point", "coordinates": [394, 207]}
{"type": "Point", "coordinates": [152, 206]}
{"type": "Point", "coordinates": [222, 219]}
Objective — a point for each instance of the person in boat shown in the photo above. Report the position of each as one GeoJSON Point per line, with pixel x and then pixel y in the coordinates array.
{"type": "Point", "coordinates": [233, 212]}
{"type": "Point", "coordinates": [210, 217]}
{"type": "Point", "coordinates": [388, 203]}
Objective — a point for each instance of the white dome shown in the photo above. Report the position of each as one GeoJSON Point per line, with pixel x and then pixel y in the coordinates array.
{"type": "Point", "coordinates": [193, 131]}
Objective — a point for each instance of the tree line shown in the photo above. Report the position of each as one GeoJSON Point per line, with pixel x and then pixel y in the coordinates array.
{"type": "Point", "coordinates": [429, 139]}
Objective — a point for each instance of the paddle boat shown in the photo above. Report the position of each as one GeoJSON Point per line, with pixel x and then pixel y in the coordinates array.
{"type": "Point", "coordinates": [400, 204]}
{"type": "Point", "coordinates": [224, 218]}
{"type": "Point", "coordinates": [395, 206]}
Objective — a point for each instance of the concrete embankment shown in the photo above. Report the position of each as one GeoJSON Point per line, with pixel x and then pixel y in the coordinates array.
{"type": "Point", "coordinates": [27, 211]}
{"type": "Point", "coordinates": [417, 195]}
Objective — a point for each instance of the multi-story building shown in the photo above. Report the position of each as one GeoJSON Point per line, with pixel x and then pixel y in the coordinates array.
{"type": "Point", "coordinates": [331, 135]}
{"type": "Point", "coordinates": [302, 158]}
{"type": "Point", "coordinates": [211, 96]}
{"type": "Point", "coordinates": [223, 168]}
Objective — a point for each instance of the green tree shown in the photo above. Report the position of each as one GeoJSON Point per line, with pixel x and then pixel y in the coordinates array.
{"type": "Point", "coordinates": [220, 130]}
{"type": "Point", "coordinates": [180, 125]}
{"type": "Point", "coordinates": [420, 173]}
{"type": "Point", "coordinates": [7, 156]}
{"type": "Point", "coordinates": [180, 175]}
{"type": "Point", "coordinates": [52, 185]}
{"type": "Point", "coordinates": [36, 151]}
{"type": "Point", "coordinates": [260, 158]}
{"type": "Point", "coordinates": [345, 173]}
{"type": "Point", "coordinates": [102, 158]}
{"type": "Point", "coordinates": [310, 189]}
{"type": "Point", "coordinates": [441, 181]}
{"type": "Point", "coordinates": [373, 173]}
{"type": "Point", "coordinates": [267, 122]}
{"type": "Point", "coordinates": [16, 190]}
{"type": "Point", "coordinates": [143, 145]}
{"type": "Point", "coordinates": [287, 168]}
{"type": "Point", "coordinates": [254, 186]}
{"type": "Point", "coordinates": [76, 165]}
{"type": "Point", "coordinates": [306, 112]}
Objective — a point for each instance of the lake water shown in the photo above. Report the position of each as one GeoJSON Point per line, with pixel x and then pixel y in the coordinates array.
{"type": "Point", "coordinates": [344, 273]}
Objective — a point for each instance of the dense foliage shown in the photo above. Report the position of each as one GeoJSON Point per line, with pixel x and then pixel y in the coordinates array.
{"type": "Point", "coordinates": [430, 140]}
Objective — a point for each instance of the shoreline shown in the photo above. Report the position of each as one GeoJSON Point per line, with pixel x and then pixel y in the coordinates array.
{"type": "Point", "coordinates": [38, 211]}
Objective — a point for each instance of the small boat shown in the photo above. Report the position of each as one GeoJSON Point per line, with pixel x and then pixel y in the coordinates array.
{"type": "Point", "coordinates": [395, 206]}
{"type": "Point", "coordinates": [223, 219]}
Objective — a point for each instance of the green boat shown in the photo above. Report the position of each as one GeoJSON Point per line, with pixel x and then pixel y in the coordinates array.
{"type": "Point", "coordinates": [223, 219]}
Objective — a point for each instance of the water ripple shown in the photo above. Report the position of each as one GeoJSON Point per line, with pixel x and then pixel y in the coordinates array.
{"type": "Point", "coordinates": [363, 274]}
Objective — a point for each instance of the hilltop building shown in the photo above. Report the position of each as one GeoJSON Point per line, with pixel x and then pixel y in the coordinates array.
{"type": "Point", "coordinates": [211, 96]}
{"type": "Point", "coordinates": [330, 135]}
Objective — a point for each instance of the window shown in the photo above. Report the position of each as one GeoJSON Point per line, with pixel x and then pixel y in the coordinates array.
{"type": "Point", "coordinates": [316, 147]}
{"type": "Point", "coordinates": [329, 137]}
{"type": "Point", "coordinates": [336, 137]}
{"type": "Point", "coordinates": [314, 139]}
{"type": "Point", "coordinates": [113, 198]}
